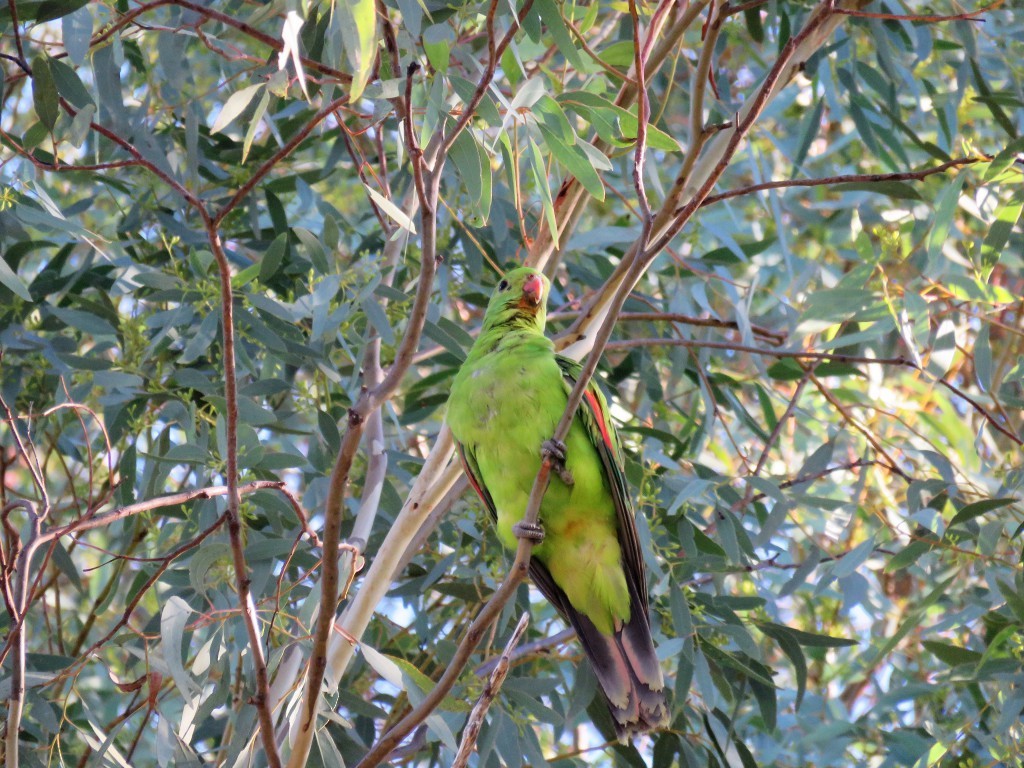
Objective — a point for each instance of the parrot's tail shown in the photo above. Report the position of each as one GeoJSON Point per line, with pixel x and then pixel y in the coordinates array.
{"type": "Point", "coordinates": [628, 672]}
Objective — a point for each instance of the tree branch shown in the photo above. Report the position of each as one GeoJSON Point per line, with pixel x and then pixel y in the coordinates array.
{"type": "Point", "coordinates": [242, 580]}
{"type": "Point", "coordinates": [850, 178]}
{"type": "Point", "coordinates": [490, 691]}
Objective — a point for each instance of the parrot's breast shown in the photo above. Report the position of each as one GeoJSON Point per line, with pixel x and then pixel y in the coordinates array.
{"type": "Point", "coordinates": [506, 403]}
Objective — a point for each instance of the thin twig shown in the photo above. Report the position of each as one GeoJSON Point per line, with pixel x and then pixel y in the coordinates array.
{"type": "Point", "coordinates": [17, 637]}
{"type": "Point", "coordinates": [490, 691]}
{"type": "Point", "coordinates": [271, 162]}
{"type": "Point", "coordinates": [850, 178]}
{"type": "Point", "coordinates": [537, 646]}
{"type": "Point", "coordinates": [834, 357]}
{"type": "Point", "coordinates": [572, 196]}
{"type": "Point", "coordinates": [169, 558]}
{"type": "Point", "coordinates": [925, 18]}
{"type": "Point", "coordinates": [695, 186]}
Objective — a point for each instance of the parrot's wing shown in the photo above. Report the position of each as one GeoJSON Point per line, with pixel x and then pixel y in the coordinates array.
{"type": "Point", "coordinates": [593, 415]}
{"type": "Point", "coordinates": [538, 572]}
{"type": "Point", "coordinates": [468, 459]}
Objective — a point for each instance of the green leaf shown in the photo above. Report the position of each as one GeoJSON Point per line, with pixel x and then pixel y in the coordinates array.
{"type": "Point", "coordinates": [790, 370]}
{"type": "Point", "coordinates": [235, 106]}
{"type": "Point", "coordinates": [44, 92]}
{"type": "Point", "coordinates": [202, 339]}
{"type": "Point", "coordinates": [1003, 160]}
{"type": "Point", "coordinates": [392, 211]}
{"type": "Point", "coordinates": [470, 161]}
{"type": "Point", "coordinates": [378, 318]}
{"type": "Point", "coordinates": [951, 655]}
{"type": "Point", "coordinates": [10, 280]}
{"type": "Point", "coordinates": [706, 544]}
{"type": "Point", "coordinates": [552, 17]}
{"type": "Point", "coordinates": [66, 564]}
{"type": "Point", "coordinates": [213, 554]}
{"type": "Point", "coordinates": [752, 18]}
{"type": "Point", "coordinates": [70, 85]}
{"type": "Point", "coordinates": [789, 645]}
{"type": "Point", "coordinates": [359, 32]}
{"type": "Point", "coordinates": [173, 617]}
{"type": "Point", "coordinates": [945, 207]}
{"type": "Point", "coordinates": [84, 321]}
{"type": "Point", "coordinates": [541, 180]}
{"type": "Point", "coordinates": [971, 511]}
{"type": "Point", "coordinates": [986, 93]}
{"type": "Point", "coordinates": [551, 117]}
{"type": "Point", "coordinates": [619, 54]}
{"type": "Point", "coordinates": [254, 123]}
{"type": "Point", "coordinates": [983, 359]}
{"type": "Point", "coordinates": [273, 257]}
{"type": "Point", "coordinates": [76, 29]}
{"type": "Point", "coordinates": [486, 109]}
{"type": "Point", "coordinates": [404, 675]}
{"type": "Point", "coordinates": [898, 190]}
{"type": "Point", "coordinates": [437, 44]}
{"type": "Point", "coordinates": [1007, 216]}
{"type": "Point", "coordinates": [612, 123]}
{"type": "Point", "coordinates": [575, 161]}
{"type": "Point", "coordinates": [806, 639]}
{"type": "Point", "coordinates": [910, 553]}
{"type": "Point", "coordinates": [330, 756]}
{"type": "Point", "coordinates": [41, 11]}
{"type": "Point", "coordinates": [810, 126]}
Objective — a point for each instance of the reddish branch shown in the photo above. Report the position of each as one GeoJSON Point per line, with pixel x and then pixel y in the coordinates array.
{"type": "Point", "coordinates": [290, 146]}
{"type": "Point", "coordinates": [234, 520]}
{"type": "Point", "coordinates": [760, 100]}
{"type": "Point", "coordinates": [132, 604]}
{"type": "Point", "coordinates": [926, 18]}
{"type": "Point", "coordinates": [89, 523]}
{"type": "Point", "coordinates": [834, 357]}
{"type": "Point", "coordinates": [850, 178]}
{"type": "Point", "coordinates": [209, 13]}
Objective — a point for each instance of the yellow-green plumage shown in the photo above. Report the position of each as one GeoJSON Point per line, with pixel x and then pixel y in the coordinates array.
{"type": "Point", "coordinates": [505, 402]}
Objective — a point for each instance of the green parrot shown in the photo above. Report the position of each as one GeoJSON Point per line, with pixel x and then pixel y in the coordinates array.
{"type": "Point", "coordinates": [504, 405]}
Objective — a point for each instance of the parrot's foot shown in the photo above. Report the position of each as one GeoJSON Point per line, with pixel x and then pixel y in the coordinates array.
{"type": "Point", "coordinates": [554, 451]}
{"type": "Point", "coordinates": [533, 532]}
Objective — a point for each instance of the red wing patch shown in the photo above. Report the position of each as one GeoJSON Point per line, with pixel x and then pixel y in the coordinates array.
{"type": "Point", "coordinates": [469, 474]}
{"type": "Point", "coordinates": [599, 415]}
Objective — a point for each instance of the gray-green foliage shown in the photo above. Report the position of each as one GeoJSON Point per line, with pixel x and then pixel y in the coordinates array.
{"type": "Point", "coordinates": [820, 385]}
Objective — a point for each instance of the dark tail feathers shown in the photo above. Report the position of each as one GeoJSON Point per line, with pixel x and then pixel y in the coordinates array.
{"type": "Point", "coordinates": [628, 672]}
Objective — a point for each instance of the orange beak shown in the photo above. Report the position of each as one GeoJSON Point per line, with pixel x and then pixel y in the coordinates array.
{"type": "Point", "coordinates": [533, 290]}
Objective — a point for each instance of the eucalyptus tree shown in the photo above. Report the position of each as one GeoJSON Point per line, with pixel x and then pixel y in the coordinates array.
{"type": "Point", "coordinates": [246, 246]}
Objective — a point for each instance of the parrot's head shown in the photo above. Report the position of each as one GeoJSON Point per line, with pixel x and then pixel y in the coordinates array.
{"type": "Point", "coordinates": [519, 300]}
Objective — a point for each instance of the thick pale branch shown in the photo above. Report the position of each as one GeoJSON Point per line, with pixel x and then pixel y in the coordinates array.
{"type": "Point", "coordinates": [435, 478]}
{"type": "Point", "coordinates": [427, 182]}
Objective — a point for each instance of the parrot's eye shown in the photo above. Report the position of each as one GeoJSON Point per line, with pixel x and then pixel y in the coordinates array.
{"type": "Point", "coordinates": [503, 285]}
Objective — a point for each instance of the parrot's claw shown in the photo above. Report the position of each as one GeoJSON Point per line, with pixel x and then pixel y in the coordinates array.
{"type": "Point", "coordinates": [533, 532]}
{"type": "Point", "coordinates": [554, 451]}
